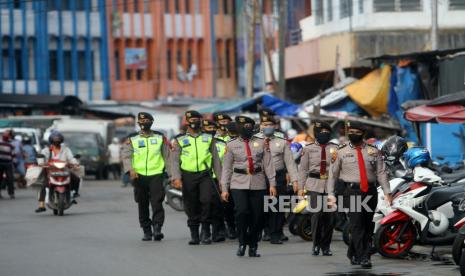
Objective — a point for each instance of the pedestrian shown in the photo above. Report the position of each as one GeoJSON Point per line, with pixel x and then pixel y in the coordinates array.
{"type": "Point", "coordinates": [313, 174]}
{"type": "Point", "coordinates": [360, 167]}
{"type": "Point", "coordinates": [18, 161]}
{"type": "Point", "coordinates": [146, 158]}
{"type": "Point", "coordinates": [114, 152]}
{"type": "Point", "coordinates": [6, 164]}
{"type": "Point", "coordinates": [246, 166]}
{"type": "Point", "coordinates": [194, 156]}
{"type": "Point", "coordinates": [222, 134]}
{"type": "Point", "coordinates": [284, 165]}
{"type": "Point", "coordinates": [30, 153]}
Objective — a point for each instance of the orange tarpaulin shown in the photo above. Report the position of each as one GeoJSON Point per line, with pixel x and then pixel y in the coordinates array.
{"type": "Point", "coordinates": [371, 92]}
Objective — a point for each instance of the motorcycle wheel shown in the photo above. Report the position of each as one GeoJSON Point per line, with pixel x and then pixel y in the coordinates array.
{"type": "Point", "coordinates": [61, 204]}
{"type": "Point", "coordinates": [462, 264]}
{"type": "Point", "coordinates": [346, 235]}
{"type": "Point", "coordinates": [293, 222]}
{"type": "Point", "coordinates": [55, 212]}
{"type": "Point", "coordinates": [386, 239]}
{"type": "Point", "coordinates": [457, 248]}
{"type": "Point", "coordinates": [176, 203]}
{"type": "Point", "coordinates": [304, 228]}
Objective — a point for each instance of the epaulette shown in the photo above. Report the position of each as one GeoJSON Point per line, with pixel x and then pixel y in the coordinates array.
{"type": "Point", "coordinates": [179, 135]}
{"type": "Point", "coordinates": [341, 146]}
{"type": "Point", "coordinates": [259, 135]}
{"type": "Point", "coordinates": [232, 139]}
{"type": "Point", "coordinates": [371, 145]}
{"type": "Point", "coordinates": [158, 132]}
{"type": "Point", "coordinates": [332, 143]}
{"type": "Point", "coordinates": [309, 144]}
{"type": "Point", "coordinates": [279, 134]}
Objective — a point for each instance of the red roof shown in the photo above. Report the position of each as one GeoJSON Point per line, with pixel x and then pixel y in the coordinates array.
{"type": "Point", "coordinates": [452, 113]}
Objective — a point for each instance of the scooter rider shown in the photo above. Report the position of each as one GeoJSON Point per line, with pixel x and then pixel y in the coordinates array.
{"type": "Point", "coordinates": [57, 151]}
{"type": "Point", "coordinates": [360, 167]}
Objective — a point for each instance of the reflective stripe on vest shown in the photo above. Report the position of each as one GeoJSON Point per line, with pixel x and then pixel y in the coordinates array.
{"type": "Point", "coordinates": [195, 152]}
{"type": "Point", "coordinates": [147, 157]}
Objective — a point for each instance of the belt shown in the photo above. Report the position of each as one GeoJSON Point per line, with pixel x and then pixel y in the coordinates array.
{"type": "Point", "coordinates": [317, 176]}
{"type": "Point", "coordinates": [356, 185]}
{"type": "Point", "coordinates": [246, 171]}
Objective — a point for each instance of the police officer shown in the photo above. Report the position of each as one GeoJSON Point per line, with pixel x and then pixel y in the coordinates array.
{"type": "Point", "coordinates": [284, 164]}
{"type": "Point", "coordinates": [222, 134]}
{"type": "Point", "coordinates": [267, 112]}
{"type": "Point", "coordinates": [360, 167]}
{"type": "Point", "coordinates": [194, 156]}
{"type": "Point", "coordinates": [146, 159]}
{"type": "Point", "coordinates": [246, 163]}
{"type": "Point", "coordinates": [313, 174]}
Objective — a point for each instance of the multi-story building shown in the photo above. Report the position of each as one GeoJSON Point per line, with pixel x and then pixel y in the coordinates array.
{"type": "Point", "coordinates": [171, 48]}
{"type": "Point", "coordinates": [349, 31]}
{"type": "Point", "coordinates": [54, 47]}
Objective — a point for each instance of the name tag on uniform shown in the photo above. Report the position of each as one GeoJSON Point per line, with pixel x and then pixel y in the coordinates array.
{"type": "Point", "coordinates": [205, 139]}
{"type": "Point", "coordinates": [186, 142]}
{"type": "Point", "coordinates": [141, 144]}
{"type": "Point", "coordinates": [153, 141]}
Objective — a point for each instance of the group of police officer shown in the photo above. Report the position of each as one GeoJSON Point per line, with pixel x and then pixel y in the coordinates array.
{"type": "Point", "coordinates": [225, 169]}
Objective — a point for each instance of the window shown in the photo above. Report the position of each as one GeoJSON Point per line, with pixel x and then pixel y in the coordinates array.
{"type": "Point", "coordinates": [329, 6]}
{"type": "Point", "coordinates": [397, 5]}
{"type": "Point", "coordinates": [117, 66]}
{"type": "Point", "coordinates": [17, 4]}
{"type": "Point", "coordinates": [51, 5]}
{"type": "Point", "coordinates": [128, 74]}
{"type": "Point", "coordinates": [178, 57]}
{"type": "Point", "coordinates": [67, 64]}
{"type": "Point", "coordinates": [139, 74]}
{"type": "Point", "coordinates": [197, 6]}
{"type": "Point", "coordinates": [125, 6]}
{"type": "Point", "coordinates": [360, 6]}
{"type": "Point", "coordinates": [81, 5]}
{"type": "Point", "coordinates": [167, 6]}
{"type": "Point", "coordinates": [345, 8]}
{"type": "Point", "coordinates": [319, 16]}
{"type": "Point", "coordinates": [146, 6]}
{"type": "Point", "coordinates": [176, 6]}
{"type": "Point", "coordinates": [228, 59]}
{"type": "Point", "coordinates": [187, 6]}
{"type": "Point", "coordinates": [456, 4]}
{"type": "Point", "coordinates": [53, 60]}
{"type": "Point", "coordinates": [219, 59]}
{"type": "Point", "coordinates": [169, 65]}
{"type": "Point", "coordinates": [225, 6]}
{"type": "Point", "coordinates": [189, 59]}
{"type": "Point", "coordinates": [136, 6]}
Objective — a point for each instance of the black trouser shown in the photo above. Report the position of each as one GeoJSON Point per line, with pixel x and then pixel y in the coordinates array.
{"type": "Point", "coordinates": [360, 223]}
{"type": "Point", "coordinates": [276, 219]}
{"type": "Point", "coordinates": [150, 190]}
{"type": "Point", "coordinates": [115, 169]}
{"type": "Point", "coordinates": [42, 179]}
{"type": "Point", "coordinates": [197, 191]}
{"type": "Point", "coordinates": [248, 209]}
{"type": "Point", "coordinates": [217, 211]}
{"type": "Point", "coordinates": [229, 213]}
{"type": "Point", "coordinates": [322, 222]}
{"type": "Point", "coordinates": [8, 180]}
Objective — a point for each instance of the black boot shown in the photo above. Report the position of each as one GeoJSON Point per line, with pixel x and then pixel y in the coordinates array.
{"type": "Point", "coordinates": [327, 252]}
{"type": "Point", "coordinates": [276, 238]}
{"type": "Point", "coordinates": [315, 251]}
{"type": "Point", "coordinates": [157, 234]}
{"type": "Point", "coordinates": [40, 210]}
{"type": "Point", "coordinates": [354, 261]}
{"type": "Point", "coordinates": [241, 250]}
{"type": "Point", "coordinates": [366, 263]}
{"type": "Point", "coordinates": [232, 232]}
{"type": "Point", "coordinates": [195, 239]}
{"type": "Point", "coordinates": [147, 234]}
{"type": "Point", "coordinates": [253, 252]}
{"type": "Point", "coordinates": [266, 235]}
{"type": "Point", "coordinates": [205, 234]}
{"type": "Point", "coordinates": [284, 237]}
{"type": "Point", "coordinates": [218, 234]}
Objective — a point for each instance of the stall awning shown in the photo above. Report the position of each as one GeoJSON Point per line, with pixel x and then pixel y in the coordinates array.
{"type": "Point", "coordinates": [437, 114]}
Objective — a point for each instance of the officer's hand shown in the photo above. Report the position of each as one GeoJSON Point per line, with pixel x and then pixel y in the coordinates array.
{"type": "Point", "coordinates": [225, 196]}
{"type": "Point", "coordinates": [273, 192]}
{"type": "Point", "coordinates": [295, 186]}
{"type": "Point", "coordinates": [388, 198]}
{"type": "Point", "coordinates": [331, 201]}
{"type": "Point", "coordinates": [133, 175]}
{"type": "Point", "coordinates": [177, 184]}
{"type": "Point", "coordinates": [301, 193]}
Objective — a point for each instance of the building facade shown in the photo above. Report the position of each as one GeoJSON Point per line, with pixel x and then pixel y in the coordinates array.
{"type": "Point", "coordinates": [54, 47]}
{"type": "Point", "coordinates": [348, 32]}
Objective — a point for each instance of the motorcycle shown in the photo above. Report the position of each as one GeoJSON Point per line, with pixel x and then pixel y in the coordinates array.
{"type": "Point", "coordinates": [459, 242]}
{"type": "Point", "coordinates": [58, 190]}
{"type": "Point", "coordinates": [423, 214]}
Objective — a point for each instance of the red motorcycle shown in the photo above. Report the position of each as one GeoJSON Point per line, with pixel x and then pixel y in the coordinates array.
{"type": "Point", "coordinates": [58, 191]}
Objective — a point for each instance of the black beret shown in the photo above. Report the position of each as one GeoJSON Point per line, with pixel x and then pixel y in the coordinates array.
{"type": "Point", "coordinates": [221, 116]}
{"type": "Point", "coordinates": [208, 123]}
{"type": "Point", "coordinates": [356, 125]}
{"type": "Point", "coordinates": [266, 119]}
{"type": "Point", "coordinates": [318, 126]}
{"type": "Point", "coordinates": [241, 120]}
{"type": "Point", "coordinates": [193, 114]}
{"type": "Point", "coordinates": [144, 115]}
{"type": "Point", "coordinates": [266, 112]}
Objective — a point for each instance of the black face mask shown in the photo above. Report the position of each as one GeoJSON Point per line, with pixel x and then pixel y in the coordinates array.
{"type": "Point", "coordinates": [355, 138]}
{"type": "Point", "coordinates": [212, 132]}
{"type": "Point", "coordinates": [56, 143]}
{"type": "Point", "coordinates": [246, 133]}
{"type": "Point", "coordinates": [195, 125]}
{"type": "Point", "coordinates": [145, 126]}
{"type": "Point", "coordinates": [323, 137]}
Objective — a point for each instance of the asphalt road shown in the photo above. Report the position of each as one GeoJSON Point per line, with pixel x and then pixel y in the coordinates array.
{"type": "Point", "coordinates": [101, 236]}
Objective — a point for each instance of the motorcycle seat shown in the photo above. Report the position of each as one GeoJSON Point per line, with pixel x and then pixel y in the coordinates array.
{"type": "Point", "coordinates": [442, 195]}
{"type": "Point", "coordinates": [452, 177]}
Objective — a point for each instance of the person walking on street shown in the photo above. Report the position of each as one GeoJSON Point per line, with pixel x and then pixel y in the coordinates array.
{"type": "Point", "coordinates": [246, 165]}
{"type": "Point", "coordinates": [313, 175]}
{"type": "Point", "coordinates": [114, 152]}
{"type": "Point", "coordinates": [360, 167]}
{"type": "Point", "coordinates": [146, 158]}
{"type": "Point", "coordinates": [6, 164]}
{"type": "Point", "coordinates": [284, 165]}
{"type": "Point", "coordinates": [194, 156]}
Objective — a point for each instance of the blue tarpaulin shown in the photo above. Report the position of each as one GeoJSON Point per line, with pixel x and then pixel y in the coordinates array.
{"type": "Point", "coordinates": [282, 108]}
{"type": "Point", "coordinates": [446, 141]}
{"type": "Point", "coordinates": [346, 105]}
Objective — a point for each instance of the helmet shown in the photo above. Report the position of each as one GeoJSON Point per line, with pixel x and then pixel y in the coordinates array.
{"type": "Point", "coordinates": [416, 156]}
{"type": "Point", "coordinates": [55, 134]}
{"type": "Point", "coordinates": [296, 149]}
{"type": "Point", "coordinates": [393, 148]}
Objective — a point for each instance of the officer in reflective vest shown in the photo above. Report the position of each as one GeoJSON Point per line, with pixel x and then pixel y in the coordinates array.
{"type": "Point", "coordinates": [146, 159]}
{"type": "Point", "coordinates": [194, 156]}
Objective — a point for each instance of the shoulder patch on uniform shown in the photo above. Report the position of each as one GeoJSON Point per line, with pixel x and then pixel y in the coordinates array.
{"type": "Point", "coordinates": [342, 146]}
{"type": "Point", "coordinates": [333, 156]}
{"type": "Point", "coordinates": [279, 134]}
{"type": "Point", "coordinates": [259, 135]}
{"type": "Point", "coordinates": [332, 143]}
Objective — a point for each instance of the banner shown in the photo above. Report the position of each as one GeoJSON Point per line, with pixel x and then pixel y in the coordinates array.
{"type": "Point", "coordinates": [135, 58]}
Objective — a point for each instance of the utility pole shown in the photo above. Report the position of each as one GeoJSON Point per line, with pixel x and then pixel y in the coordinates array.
{"type": "Point", "coordinates": [251, 11]}
{"type": "Point", "coordinates": [281, 93]}
{"type": "Point", "coordinates": [434, 25]}
{"type": "Point", "coordinates": [267, 49]}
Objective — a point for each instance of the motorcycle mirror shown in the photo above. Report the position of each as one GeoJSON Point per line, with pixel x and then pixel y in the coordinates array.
{"type": "Point", "coordinates": [39, 155]}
